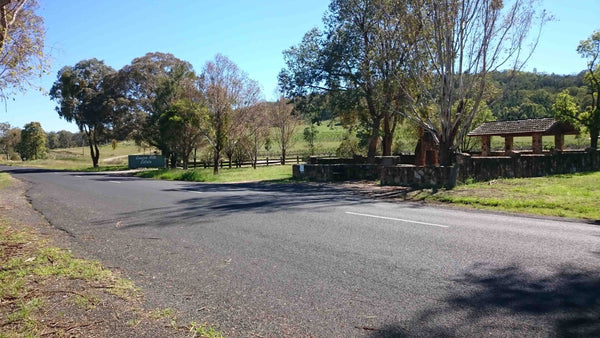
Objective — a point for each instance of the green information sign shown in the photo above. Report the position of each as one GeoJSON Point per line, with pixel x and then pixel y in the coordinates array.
{"type": "Point", "coordinates": [146, 161]}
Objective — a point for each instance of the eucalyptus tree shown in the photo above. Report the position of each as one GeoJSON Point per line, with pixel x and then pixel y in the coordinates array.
{"type": "Point", "coordinates": [590, 49]}
{"type": "Point", "coordinates": [82, 97]}
{"type": "Point", "coordinates": [180, 120]}
{"type": "Point", "coordinates": [358, 62]}
{"type": "Point", "coordinates": [461, 42]}
{"type": "Point", "coordinates": [143, 84]}
{"type": "Point", "coordinates": [21, 45]}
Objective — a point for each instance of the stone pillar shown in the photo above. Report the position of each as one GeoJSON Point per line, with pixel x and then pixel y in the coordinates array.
{"type": "Point", "coordinates": [536, 143]}
{"type": "Point", "coordinates": [508, 144]}
{"type": "Point", "coordinates": [559, 142]}
{"type": "Point", "coordinates": [486, 145]}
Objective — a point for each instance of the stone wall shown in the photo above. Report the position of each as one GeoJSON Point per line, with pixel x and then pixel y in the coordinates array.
{"type": "Point", "coordinates": [336, 172]}
{"type": "Point", "coordinates": [528, 165]}
{"type": "Point", "coordinates": [381, 160]}
{"type": "Point", "coordinates": [423, 177]}
{"type": "Point", "coordinates": [478, 168]}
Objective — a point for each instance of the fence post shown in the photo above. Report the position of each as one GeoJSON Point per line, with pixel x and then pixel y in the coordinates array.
{"type": "Point", "coordinates": [267, 161]}
{"type": "Point", "coordinates": [297, 159]}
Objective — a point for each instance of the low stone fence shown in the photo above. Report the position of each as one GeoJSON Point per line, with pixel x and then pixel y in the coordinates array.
{"type": "Point", "coordinates": [526, 165]}
{"type": "Point", "coordinates": [380, 160]}
{"type": "Point", "coordinates": [423, 177]}
{"type": "Point", "coordinates": [467, 167]}
{"type": "Point", "coordinates": [336, 172]}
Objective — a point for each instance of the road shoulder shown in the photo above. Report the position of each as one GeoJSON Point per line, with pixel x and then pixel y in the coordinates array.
{"type": "Point", "coordinates": [46, 291]}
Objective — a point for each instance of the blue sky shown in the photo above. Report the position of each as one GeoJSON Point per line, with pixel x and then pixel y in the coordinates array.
{"type": "Point", "coordinates": [252, 33]}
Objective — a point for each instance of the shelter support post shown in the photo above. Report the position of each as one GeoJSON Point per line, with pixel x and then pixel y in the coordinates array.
{"type": "Point", "coordinates": [536, 143]}
{"type": "Point", "coordinates": [559, 142]}
{"type": "Point", "coordinates": [508, 144]}
{"type": "Point", "coordinates": [486, 143]}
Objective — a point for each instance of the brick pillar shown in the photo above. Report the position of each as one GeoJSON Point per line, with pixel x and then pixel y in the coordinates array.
{"type": "Point", "coordinates": [559, 142]}
{"type": "Point", "coordinates": [536, 143]}
{"type": "Point", "coordinates": [486, 142]}
{"type": "Point", "coordinates": [432, 158]}
{"type": "Point", "coordinates": [508, 144]}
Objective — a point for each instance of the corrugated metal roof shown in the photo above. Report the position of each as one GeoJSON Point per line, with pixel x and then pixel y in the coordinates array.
{"type": "Point", "coordinates": [546, 126]}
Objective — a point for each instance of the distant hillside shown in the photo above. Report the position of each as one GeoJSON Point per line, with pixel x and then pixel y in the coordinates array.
{"type": "Point", "coordinates": [521, 95]}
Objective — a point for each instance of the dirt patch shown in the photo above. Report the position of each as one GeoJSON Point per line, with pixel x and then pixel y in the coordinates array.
{"type": "Point", "coordinates": [44, 291]}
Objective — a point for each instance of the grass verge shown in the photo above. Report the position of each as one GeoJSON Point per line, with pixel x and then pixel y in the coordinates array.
{"type": "Point", "coordinates": [573, 196]}
{"type": "Point", "coordinates": [46, 291]}
{"type": "Point", "coordinates": [276, 173]}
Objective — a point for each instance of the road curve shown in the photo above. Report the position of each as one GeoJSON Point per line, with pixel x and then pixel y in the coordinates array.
{"type": "Point", "coordinates": [312, 260]}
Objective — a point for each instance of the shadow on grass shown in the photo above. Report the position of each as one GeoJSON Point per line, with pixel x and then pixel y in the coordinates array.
{"type": "Point", "coordinates": [511, 301]}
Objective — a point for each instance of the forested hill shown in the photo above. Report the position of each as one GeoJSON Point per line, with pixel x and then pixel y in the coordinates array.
{"type": "Point", "coordinates": [523, 95]}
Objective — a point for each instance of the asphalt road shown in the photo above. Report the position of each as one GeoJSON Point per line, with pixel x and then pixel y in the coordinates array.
{"type": "Point", "coordinates": [310, 260]}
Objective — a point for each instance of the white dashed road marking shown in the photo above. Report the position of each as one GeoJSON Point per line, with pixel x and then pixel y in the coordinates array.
{"type": "Point", "coordinates": [397, 219]}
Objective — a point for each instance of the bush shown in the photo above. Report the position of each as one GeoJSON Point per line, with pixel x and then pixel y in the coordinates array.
{"type": "Point", "coordinates": [348, 147]}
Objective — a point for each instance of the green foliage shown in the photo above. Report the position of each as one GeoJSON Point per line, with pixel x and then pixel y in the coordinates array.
{"type": "Point", "coordinates": [351, 70]}
{"type": "Point", "coordinates": [310, 135]}
{"type": "Point", "coordinates": [33, 142]}
{"type": "Point", "coordinates": [590, 49]}
{"type": "Point", "coordinates": [348, 147]}
{"type": "Point", "coordinates": [21, 47]}
{"type": "Point", "coordinates": [84, 95]}
{"type": "Point", "coordinates": [9, 140]}
{"type": "Point", "coordinates": [524, 95]}
{"type": "Point", "coordinates": [204, 331]}
{"type": "Point", "coordinates": [51, 140]}
{"type": "Point", "coordinates": [565, 108]}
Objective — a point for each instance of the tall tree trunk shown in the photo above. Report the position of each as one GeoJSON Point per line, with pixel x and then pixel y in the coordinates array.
{"type": "Point", "coordinates": [91, 143]}
{"type": "Point", "coordinates": [387, 142]}
{"type": "Point", "coordinates": [445, 153]}
{"type": "Point", "coordinates": [216, 158]}
{"type": "Point", "coordinates": [97, 154]}
{"type": "Point", "coordinates": [374, 140]}
{"type": "Point", "coordinates": [282, 155]}
{"type": "Point", "coordinates": [594, 138]}
{"type": "Point", "coordinates": [388, 136]}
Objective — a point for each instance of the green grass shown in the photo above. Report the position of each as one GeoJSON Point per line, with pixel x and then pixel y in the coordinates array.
{"type": "Point", "coordinates": [573, 196]}
{"type": "Point", "coordinates": [204, 331]}
{"type": "Point", "coordinates": [271, 173]}
{"type": "Point", "coordinates": [327, 140]}
{"type": "Point", "coordinates": [78, 158]}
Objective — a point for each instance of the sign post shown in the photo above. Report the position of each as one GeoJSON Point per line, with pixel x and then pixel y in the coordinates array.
{"type": "Point", "coordinates": [146, 161]}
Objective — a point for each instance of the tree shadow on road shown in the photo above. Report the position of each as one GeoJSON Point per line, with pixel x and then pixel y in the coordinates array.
{"type": "Point", "coordinates": [217, 200]}
{"type": "Point", "coordinates": [511, 301]}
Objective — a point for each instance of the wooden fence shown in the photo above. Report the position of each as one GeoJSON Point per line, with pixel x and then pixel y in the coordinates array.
{"type": "Point", "coordinates": [292, 159]}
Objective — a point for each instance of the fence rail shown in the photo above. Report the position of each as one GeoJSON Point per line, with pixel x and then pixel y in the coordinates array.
{"type": "Point", "coordinates": [292, 159]}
